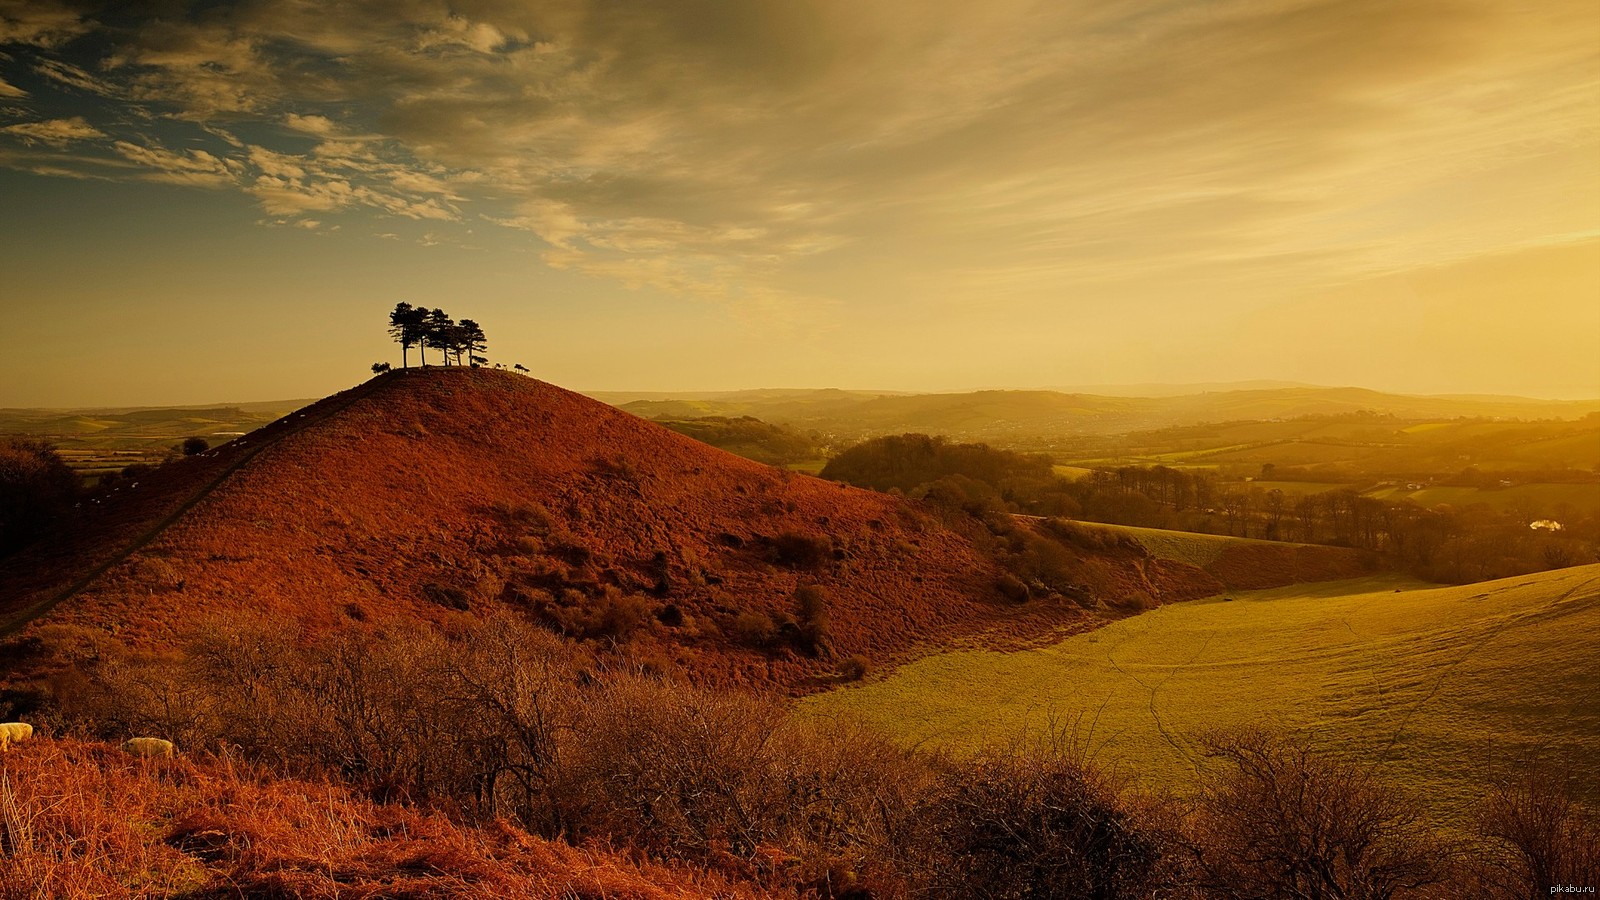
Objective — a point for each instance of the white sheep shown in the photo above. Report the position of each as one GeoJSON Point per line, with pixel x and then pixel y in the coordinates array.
{"type": "Point", "coordinates": [14, 731]}
{"type": "Point", "coordinates": [150, 747]}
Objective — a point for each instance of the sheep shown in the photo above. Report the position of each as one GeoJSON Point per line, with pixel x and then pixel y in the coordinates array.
{"type": "Point", "coordinates": [150, 747]}
{"type": "Point", "coordinates": [14, 731]}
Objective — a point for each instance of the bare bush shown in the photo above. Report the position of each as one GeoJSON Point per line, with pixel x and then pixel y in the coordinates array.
{"type": "Point", "coordinates": [1280, 821]}
{"type": "Point", "coordinates": [1534, 837]}
{"type": "Point", "coordinates": [1031, 823]}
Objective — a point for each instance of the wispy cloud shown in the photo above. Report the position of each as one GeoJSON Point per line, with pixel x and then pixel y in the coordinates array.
{"type": "Point", "coordinates": [749, 151]}
{"type": "Point", "coordinates": [56, 132]}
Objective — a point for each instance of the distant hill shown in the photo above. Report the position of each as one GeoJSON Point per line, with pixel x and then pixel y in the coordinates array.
{"type": "Point", "coordinates": [1022, 416]}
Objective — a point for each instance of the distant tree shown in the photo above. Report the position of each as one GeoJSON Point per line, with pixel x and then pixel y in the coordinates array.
{"type": "Point", "coordinates": [520, 367]}
{"type": "Point", "coordinates": [195, 446]}
{"type": "Point", "coordinates": [378, 368]}
{"type": "Point", "coordinates": [407, 326]}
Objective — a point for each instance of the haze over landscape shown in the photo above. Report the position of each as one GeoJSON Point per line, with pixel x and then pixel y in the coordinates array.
{"type": "Point", "coordinates": [799, 450]}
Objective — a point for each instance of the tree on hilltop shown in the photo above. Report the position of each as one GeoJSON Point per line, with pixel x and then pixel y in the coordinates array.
{"type": "Point", "coordinates": [460, 343]}
{"type": "Point", "coordinates": [439, 332]}
{"type": "Point", "coordinates": [473, 342]}
{"type": "Point", "coordinates": [407, 326]}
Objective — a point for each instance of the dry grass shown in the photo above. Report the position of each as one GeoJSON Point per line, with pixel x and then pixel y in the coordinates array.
{"type": "Point", "coordinates": [84, 820]}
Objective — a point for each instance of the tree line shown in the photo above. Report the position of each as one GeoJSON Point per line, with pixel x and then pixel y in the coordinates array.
{"type": "Point", "coordinates": [1447, 544]}
{"type": "Point", "coordinates": [459, 343]}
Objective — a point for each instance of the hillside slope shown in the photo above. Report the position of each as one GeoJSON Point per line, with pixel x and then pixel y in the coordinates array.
{"type": "Point", "coordinates": [1433, 686]}
{"type": "Point", "coordinates": [421, 495]}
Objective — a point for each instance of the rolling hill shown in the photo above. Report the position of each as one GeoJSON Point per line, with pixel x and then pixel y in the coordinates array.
{"type": "Point", "coordinates": [1433, 686]}
{"type": "Point", "coordinates": [1012, 416]}
{"type": "Point", "coordinates": [423, 495]}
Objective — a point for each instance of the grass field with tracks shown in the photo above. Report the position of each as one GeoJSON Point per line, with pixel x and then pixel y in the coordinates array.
{"type": "Point", "coordinates": [1432, 685]}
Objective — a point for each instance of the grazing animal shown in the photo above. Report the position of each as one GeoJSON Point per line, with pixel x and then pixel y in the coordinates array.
{"type": "Point", "coordinates": [150, 748]}
{"type": "Point", "coordinates": [11, 732]}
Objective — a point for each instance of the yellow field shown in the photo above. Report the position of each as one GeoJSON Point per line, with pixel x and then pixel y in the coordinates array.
{"type": "Point", "coordinates": [1432, 685]}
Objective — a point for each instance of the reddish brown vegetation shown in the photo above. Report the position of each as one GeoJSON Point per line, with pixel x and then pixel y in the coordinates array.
{"type": "Point", "coordinates": [423, 494]}
{"type": "Point", "coordinates": [85, 820]}
{"type": "Point", "coordinates": [1255, 565]}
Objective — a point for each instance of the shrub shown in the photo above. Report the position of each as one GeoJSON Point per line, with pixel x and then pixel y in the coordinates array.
{"type": "Point", "coordinates": [855, 667]}
{"type": "Point", "coordinates": [1012, 588]}
{"type": "Point", "coordinates": [617, 616]}
{"type": "Point", "coordinates": [1281, 821]}
{"type": "Point", "coordinates": [194, 446]}
{"type": "Point", "coordinates": [753, 629]}
{"type": "Point", "coordinates": [811, 619]}
{"type": "Point", "coordinates": [1035, 823]}
{"type": "Point", "coordinates": [36, 489]}
{"type": "Point", "coordinates": [1534, 836]}
{"type": "Point", "coordinates": [802, 551]}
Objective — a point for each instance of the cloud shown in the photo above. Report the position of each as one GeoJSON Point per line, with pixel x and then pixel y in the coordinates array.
{"type": "Point", "coordinates": [748, 152]}
{"type": "Point", "coordinates": [74, 77]}
{"type": "Point", "coordinates": [38, 22]}
{"type": "Point", "coordinates": [313, 124]}
{"type": "Point", "coordinates": [11, 91]}
{"type": "Point", "coordinates": [56, 132]}
{"type": "Point", "coordinates": [196, 168]}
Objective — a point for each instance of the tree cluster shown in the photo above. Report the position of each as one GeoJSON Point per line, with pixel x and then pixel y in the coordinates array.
{"type": "Point", "coordinates": [36, 488]}
{"type": "Point", "coordinates": [909, 462]}
{"type": "Point", "coordinates": [1447, 544]}
{"type": "Point", "coordinates": [459, 343]}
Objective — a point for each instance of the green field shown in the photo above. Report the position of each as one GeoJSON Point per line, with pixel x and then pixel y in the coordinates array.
{"type": "Point", "coordinates": [1431, 685]}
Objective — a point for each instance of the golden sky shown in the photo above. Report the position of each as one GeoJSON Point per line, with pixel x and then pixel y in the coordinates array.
{"type": "Point", "coordinates": [219, 201]}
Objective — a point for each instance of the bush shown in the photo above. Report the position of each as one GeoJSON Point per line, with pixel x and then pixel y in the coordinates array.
{"type": "Point", "coordinates": [36, 489]}
{"type": "Point", "coordinates": [1534, 836]}
{"type": "Point", "coordinates": [1281, 821]}
{"type": "Point", "coordinates": [616, 616]}
{"type": "Point", "coordinates": [753, 629]}
{"type": "Point", "coordinates": [855, 667]}
{"type": "Point", "coordinates": [802, 551]}
{"type": "Point", "coordinates": [1012, 588]}
{"type": "Point", "coordinates": [811, 619]}
{"type": "Point", "coordinates": [1035, 824]}
{"type": "Point", "coordinates": [194, 446]}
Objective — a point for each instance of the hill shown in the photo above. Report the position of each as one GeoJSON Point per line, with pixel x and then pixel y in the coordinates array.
{"type": "Point", "coordinates": [1036, 418]}
{"type": "Point", "coordinates": [423, 495]}
{"type": "Point", "coordinates": [1433, 686]}
{"type": "Point", "coordinates": [1246, 564]}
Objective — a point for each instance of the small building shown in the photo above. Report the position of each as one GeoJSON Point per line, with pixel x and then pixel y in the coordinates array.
{"type": "Point", "coordinates": [1545, 525]}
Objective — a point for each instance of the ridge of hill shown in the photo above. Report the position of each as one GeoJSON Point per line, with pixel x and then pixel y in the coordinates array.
{"type": "Point", "coordinates": [421, 495]}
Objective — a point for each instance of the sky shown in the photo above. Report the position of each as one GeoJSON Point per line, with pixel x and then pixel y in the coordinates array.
{"type": "Point", "coordinates": [212, 201]}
